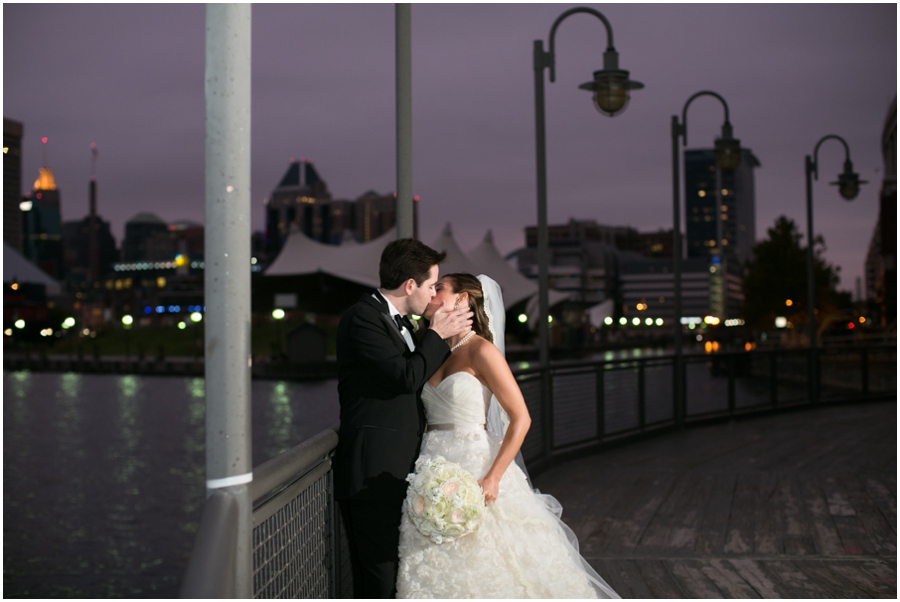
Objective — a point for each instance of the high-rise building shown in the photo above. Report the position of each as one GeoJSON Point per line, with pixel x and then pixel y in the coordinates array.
{"type": "Point", "coordinates": [12, 183]}
{"type": "Point", "coordinates": [887, 219]}
{"type": "Point", "coordinates": [300, 198]}
{"type": "Point", "coordinates": [76, 237]}
{"type": "Point", "coordinates": [42, 225]}
{"type": "Point", "coordinates": [147, 239]}
{"type": "Point", "coordinates": [720, 206]}
{"type": "Point", "coordinates": [302, 202]}
{"type": "Point", "coordinates": [720, 214]}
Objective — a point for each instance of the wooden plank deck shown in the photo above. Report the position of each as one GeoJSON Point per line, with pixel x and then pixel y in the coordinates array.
{"type": "Point", "coordinates": [794, 505]}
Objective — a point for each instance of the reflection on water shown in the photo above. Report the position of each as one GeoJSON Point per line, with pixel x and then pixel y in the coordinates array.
{"type": "Point", "coordinates": [104, 476]}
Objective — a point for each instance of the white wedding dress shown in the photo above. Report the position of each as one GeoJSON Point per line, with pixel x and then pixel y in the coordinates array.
{"type": "Point", "coordinates": [521, 550]}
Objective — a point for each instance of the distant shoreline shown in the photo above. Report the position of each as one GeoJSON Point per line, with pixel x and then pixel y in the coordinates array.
{"type": "Point", "coordinates": [152, 366]}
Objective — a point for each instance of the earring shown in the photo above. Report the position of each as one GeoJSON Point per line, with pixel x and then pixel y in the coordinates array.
{"type": "Point", "coordinates": [457, 304]}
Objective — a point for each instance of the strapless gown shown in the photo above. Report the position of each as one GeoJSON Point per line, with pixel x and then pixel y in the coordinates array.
{"type": "Point", "coordinates": [521, 550]}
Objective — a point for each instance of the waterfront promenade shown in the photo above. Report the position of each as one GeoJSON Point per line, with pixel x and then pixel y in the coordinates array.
{"type": "Point", "coordinates": [789, 505]}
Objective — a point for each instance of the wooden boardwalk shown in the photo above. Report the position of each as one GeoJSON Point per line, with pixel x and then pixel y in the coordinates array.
{"type": "Point", "coordinates": [793, 505]}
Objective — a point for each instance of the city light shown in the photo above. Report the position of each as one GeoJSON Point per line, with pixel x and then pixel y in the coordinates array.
{"type": "Point", "coordinates": [636, 321]}
{"type": "Point", "coordinates": [788, 302]}
{"type": "Point", "coordinates": [182, 326]}
{"type": "Point", "coordinates": [20, 324]}
{"type": "Point", "coordinates": [14, 286]}
{"type": "Point", "coordinates": [522, 318]}
{"type": "Point", "coordinates": [278, 314]}
{"type": "Point", "coordinates": [659, 321]}
{"type": "Point", "coordinates": [68, 323]}
{"type": "Point", "coordinates": [862, 320]}
{"type": "Point", "coordinates": [8, 332]}
{"type": "Point", "coordinates": [196, 317]}
{"type": "Point", "coordinates": [649, 321]}
{"type": "Point", "coordinates": [641, 306]}
{"type": "Point", "coordinates": [780, 322]}
{"type": "Point", "coordinates": [127, 320]}
{"type": "Point", "coordinates": [711, 320]}
{"type": "Point", "coordinates": [47, 332]}
{"type": "Point", "coordinates": [608, 320]}
{"type": "Point", "coordinates": [623, 321]}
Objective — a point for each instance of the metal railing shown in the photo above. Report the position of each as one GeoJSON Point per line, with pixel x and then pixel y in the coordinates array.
{"type": "Point", "coordinates": [299, 550]}
{"type": "Point", "coordinates": [593, 404]}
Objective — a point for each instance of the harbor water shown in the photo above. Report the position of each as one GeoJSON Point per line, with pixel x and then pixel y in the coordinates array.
{"type": "Point", "coordinates": [104, 475]}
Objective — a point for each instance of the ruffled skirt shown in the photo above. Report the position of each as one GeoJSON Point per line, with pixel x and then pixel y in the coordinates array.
{"type": "Point", "coordinates": [521, 550]}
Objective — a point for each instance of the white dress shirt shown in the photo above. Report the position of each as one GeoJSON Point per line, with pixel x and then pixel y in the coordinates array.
{"type": "Point", "coordinates": [407, 335]}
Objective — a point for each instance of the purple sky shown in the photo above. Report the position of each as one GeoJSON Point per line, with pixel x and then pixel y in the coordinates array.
{"type": "Point", "coordinates": [130, 79]}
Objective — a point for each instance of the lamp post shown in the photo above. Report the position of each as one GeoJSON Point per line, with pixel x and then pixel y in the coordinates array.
{"type": "Point", "coordinates": [610, 87]}
{"type": "Point", "coordinates": [728, 157]}
{"type": "Point", "coordinates": [127, 321]}
{"type": "Point", "coordinates": [848, 185]}
{"type": "Point", "coordinates": [278, 315]}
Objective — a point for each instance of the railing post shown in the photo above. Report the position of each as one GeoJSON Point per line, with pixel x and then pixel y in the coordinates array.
{"type": "Point", "coordinates": [731, 384]}
{"type": "Point", "coordinates": [864, 368]}
{"type": "Point", "coordinates": [642, 402]}
{"type": "Point", "coordinates": [547, 412]}
{"type": "Point", "coordinates": [773, 377]}
{"type": "Point", "coordinates": [229, 465]}
{"type": "Point", "coordinates": [601, 402]}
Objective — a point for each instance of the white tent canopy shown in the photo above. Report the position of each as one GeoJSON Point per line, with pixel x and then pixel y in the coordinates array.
{"type": "Point", "coordinates": [16, 268]}
{"type": "Point", "coordinates": [457, 261]}
{"type": "Point", "coordinates": [358, 262]}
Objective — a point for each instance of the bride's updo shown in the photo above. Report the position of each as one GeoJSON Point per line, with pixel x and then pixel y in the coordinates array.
{"type": "Point", "coordinates": [467, 283]}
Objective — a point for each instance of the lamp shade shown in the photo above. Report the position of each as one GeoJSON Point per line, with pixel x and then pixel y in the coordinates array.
{"type": "Point", "coordinates": [848, 182]}
{"type": "Point", "coordinates": [728, 153]}
{"type": "Point", "coordinates": [611, 90]}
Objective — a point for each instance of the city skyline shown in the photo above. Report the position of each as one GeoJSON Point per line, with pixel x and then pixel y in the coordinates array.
{"type": "Point", "coordinates": [101, 75]}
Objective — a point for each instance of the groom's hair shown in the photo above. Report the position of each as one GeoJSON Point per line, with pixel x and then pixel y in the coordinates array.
{"type": "Point", "coordinates": [407, 258]}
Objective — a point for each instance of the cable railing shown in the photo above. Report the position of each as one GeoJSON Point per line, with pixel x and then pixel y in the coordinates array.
{"type": "Point", "coordinates": [299, 550]}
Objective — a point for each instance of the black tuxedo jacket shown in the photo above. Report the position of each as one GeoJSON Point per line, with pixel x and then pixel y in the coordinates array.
{"type": "Point", "coordinates": [382, 419]}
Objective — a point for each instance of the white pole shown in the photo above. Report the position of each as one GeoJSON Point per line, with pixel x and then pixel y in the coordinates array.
{"type": "Point", "coordinates": [405, 226]}
{"type": "Point", "coordinates": [227, 268]}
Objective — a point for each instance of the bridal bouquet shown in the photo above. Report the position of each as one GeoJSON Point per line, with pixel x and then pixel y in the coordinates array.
{"type": "Point", "coordinates": [444, 501]}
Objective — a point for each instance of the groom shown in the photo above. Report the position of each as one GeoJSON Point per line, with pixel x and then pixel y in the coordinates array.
{"type": "Point", "coordinates": [381, 370]}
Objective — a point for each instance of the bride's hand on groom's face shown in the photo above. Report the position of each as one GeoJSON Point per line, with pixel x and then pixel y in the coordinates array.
{"type": "Point", "coordinates": [451, 322]}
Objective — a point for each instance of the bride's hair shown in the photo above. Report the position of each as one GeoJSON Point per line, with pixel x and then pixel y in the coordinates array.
{"type": "Point", "coordinates": [467, 283]}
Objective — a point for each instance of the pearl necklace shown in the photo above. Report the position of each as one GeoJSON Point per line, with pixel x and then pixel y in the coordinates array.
{"type": "Point", "coordinates": [462, 341]}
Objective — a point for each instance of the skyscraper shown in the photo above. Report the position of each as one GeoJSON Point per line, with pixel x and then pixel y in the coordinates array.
{"type": "Point", "coordinates": [12, 183]}
{"type": "Point", "coordinates": [720, 212]}
{"type": "Point", "coordinates": [300, 199]}
{"type": "Point", "coordinates": [43, 225]}
{"type": "Point", "coordinates": [720, 207]}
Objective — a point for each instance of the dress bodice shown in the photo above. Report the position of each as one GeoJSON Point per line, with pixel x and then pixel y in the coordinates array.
{"type": "Point", "coordinates": [458, 399]}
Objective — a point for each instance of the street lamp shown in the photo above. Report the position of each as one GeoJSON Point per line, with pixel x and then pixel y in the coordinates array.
{"type": "Point", "coordinates": [610, 87]}
{"type": "Point", "coordinates": [728, 157]}
{"type": "Point", "coordinates": [848, 186]}
{"type": "Point", "coordinates": [127, 321]}
{"type": "Point", "coordinates": [278, 314]}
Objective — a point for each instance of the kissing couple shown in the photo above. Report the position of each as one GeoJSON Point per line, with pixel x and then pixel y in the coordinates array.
{"type": "Point", "coordinates": [441, 396]}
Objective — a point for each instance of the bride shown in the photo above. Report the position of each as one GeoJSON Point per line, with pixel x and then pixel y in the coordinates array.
{"type": "Point", "coordinates": [477, 419]}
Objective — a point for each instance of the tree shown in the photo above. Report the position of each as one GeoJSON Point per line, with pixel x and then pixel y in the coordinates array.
{"type": "Point", "coordinates": [775, 279]}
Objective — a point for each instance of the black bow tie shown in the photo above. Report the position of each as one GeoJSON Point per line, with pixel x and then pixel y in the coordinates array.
{"type": "Point", "coordinates": [403, 322]}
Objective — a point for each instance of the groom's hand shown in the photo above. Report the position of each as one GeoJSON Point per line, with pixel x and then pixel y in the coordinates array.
{"type": "Point", "coordinates": [451, 322]}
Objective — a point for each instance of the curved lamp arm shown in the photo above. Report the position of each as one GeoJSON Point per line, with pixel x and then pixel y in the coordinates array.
{"type": "Point", "coordinates": [560, 19]}
{"type": "Point", "coordinates": [726, 127]}
{"type": "Point", "coordinates": [814, 166]}
{"type": "Point", "coordinates": [848, 182]}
